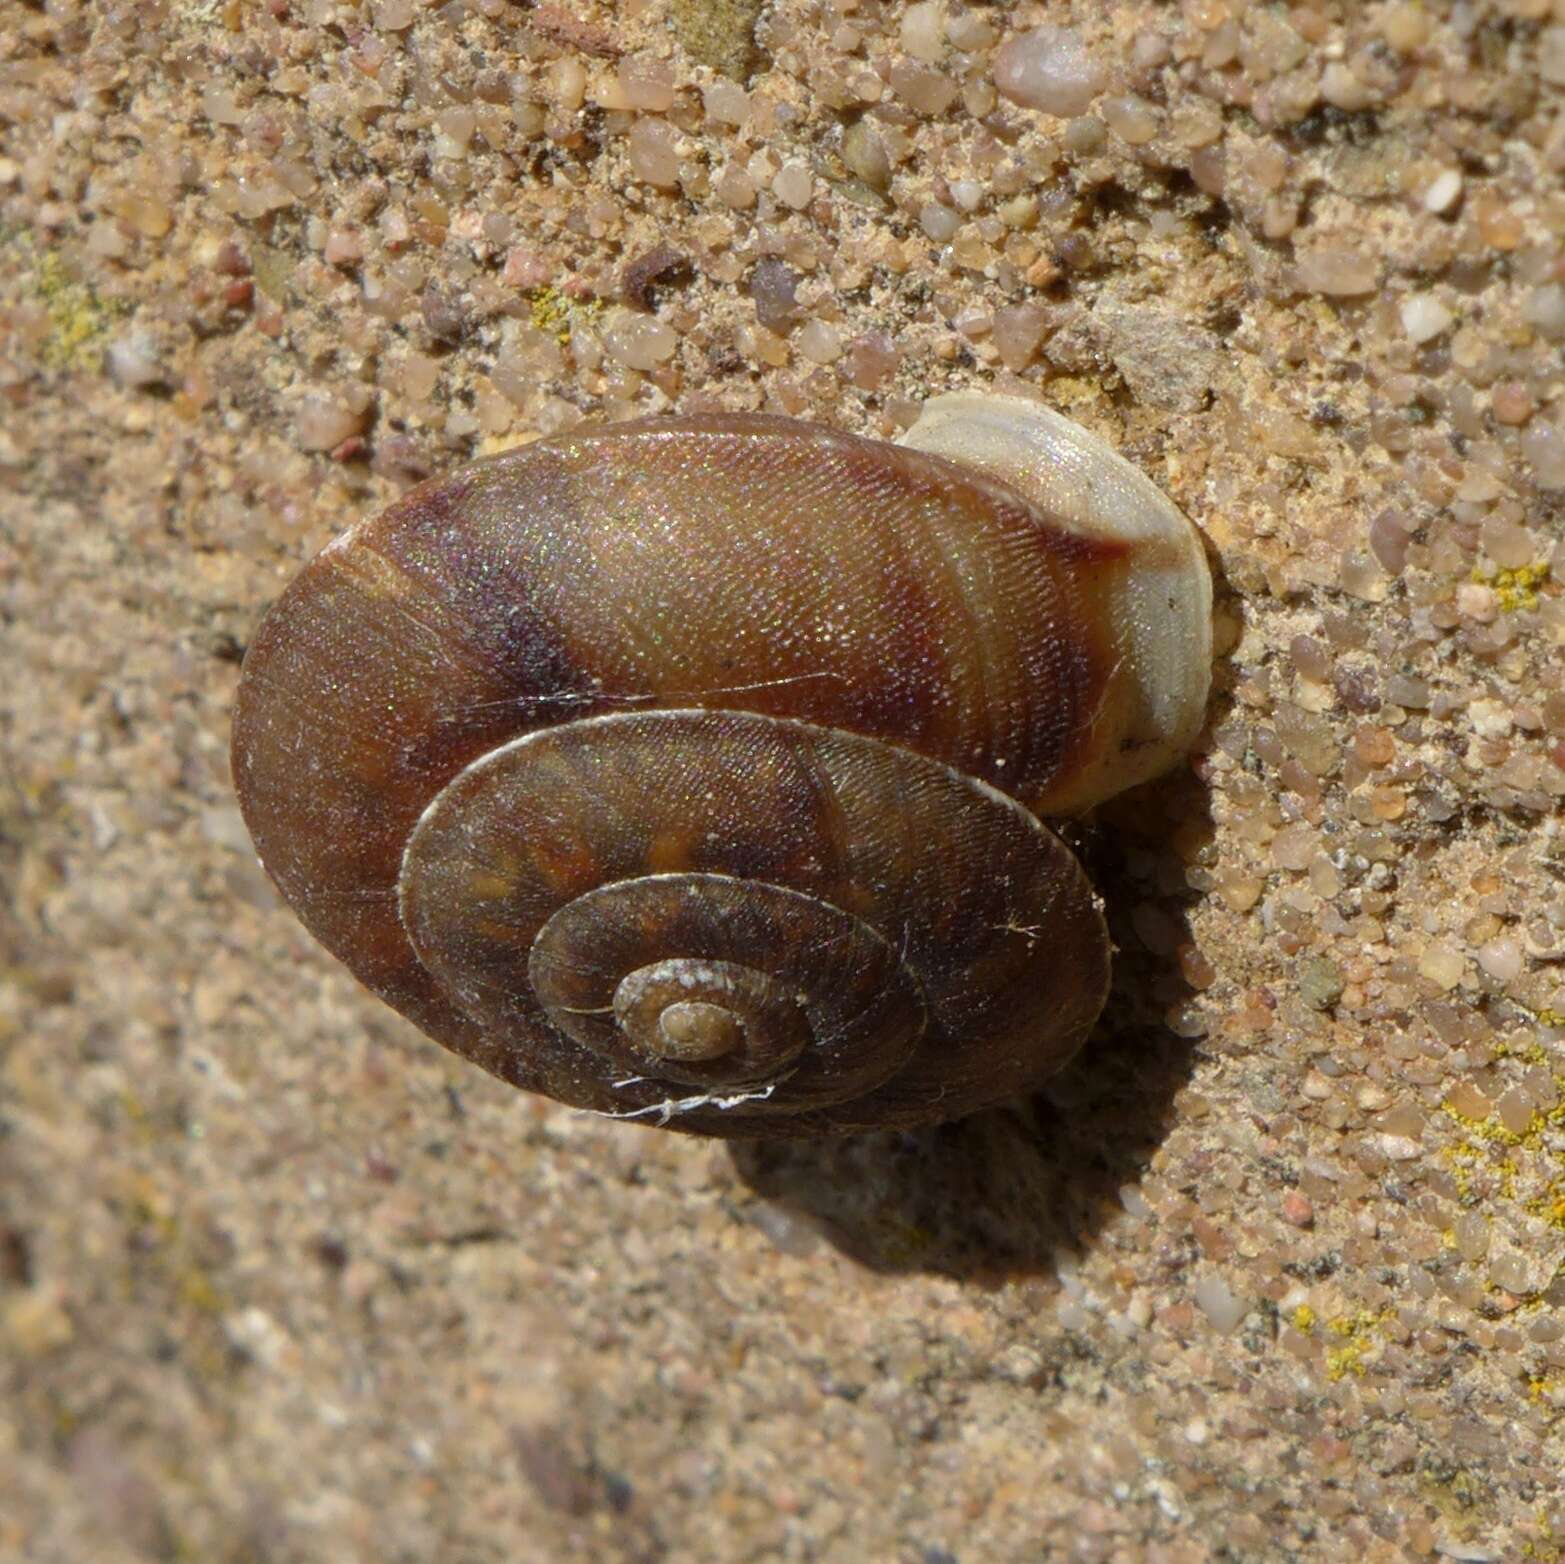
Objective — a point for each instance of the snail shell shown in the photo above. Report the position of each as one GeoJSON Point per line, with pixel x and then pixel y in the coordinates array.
{"type": "Point", "coordinates": [692, 767]}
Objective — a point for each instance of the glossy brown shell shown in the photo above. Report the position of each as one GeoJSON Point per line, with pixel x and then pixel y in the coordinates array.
{"type": "Point", "coordinates": [554, 670]}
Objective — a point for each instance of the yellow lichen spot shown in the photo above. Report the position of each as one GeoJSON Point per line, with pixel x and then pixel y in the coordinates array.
{"type": "Point", "coordinates": [1344, 1360]}
{"type": "Point", "coordinates": [1515, 589]}
{"type": "Point", "coordinates": [556, 312]}
{"type": "Point", "coordinates": [1549, 1207]}
{"type": "Point", "coordinates": [78, 318]}
{"type": "Point", "coordinates": [1304, 1319]}
{"type": "Point", "coordinates": [1490, 1132]}
{"type": "Point", "coordinates": [1356, 1335]}
{"type": "Point", "coordinates": [198, 1291]}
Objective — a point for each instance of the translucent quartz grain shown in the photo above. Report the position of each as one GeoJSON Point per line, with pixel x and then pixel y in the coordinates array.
{"type": "Point", "coordinates": [1050, 69]}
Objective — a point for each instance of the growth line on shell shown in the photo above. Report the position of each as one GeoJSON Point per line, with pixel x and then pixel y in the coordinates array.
{"type": "Point", "coordinates": [436, 636]}
{"type": "Point", "coordinates": [667, 697]}
{"type": "Point", "coordinates": [1095, 716]}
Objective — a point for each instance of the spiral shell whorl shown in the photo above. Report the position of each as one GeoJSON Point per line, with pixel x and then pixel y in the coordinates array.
{"type": "Point", "coordinates": [843, 912]}
{"type": "Point", "coordinates": [696, 761]}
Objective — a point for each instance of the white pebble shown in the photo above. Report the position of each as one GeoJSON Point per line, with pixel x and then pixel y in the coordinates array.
{"type": "Point", "coordinates": [1501, 958]}
{"type": "Point", "coordinates": [1509, 1269]}
{"type": "Point", "coordinates": [820, 343]}
{"type": "Point", "coordinates": [1543, 444]}
{"type": "Point", "coordinates": [653, 149]}
{"type": "Point", "coordinates": [325, 419]}
{"type": "Point", "coordinates": [970, 30]}
{"type": "Point", "coordinates": [1338, 271]}
{"type": "Point", "coordinates": [1342, 89]}
{"type": "Point", "coordinates": [922, 27]}
{"type": "Point", "coordinates": [1219, 1305]}
{"type": "Point", "coordinates": [133, 361]}
{"type": "Point", "coordinates": [1424, 317]}
{"type": "Point", "coordinates": [1445, 189]}
{"type": "Point", "coordinates": [1050, 69]}
{"type": "Point", "coordinates": [1544, 310]}
{"type": "Point", "coordinates": [1131, 118]}
{"type": "Point", "coordinates": [639, 341]}
{"type": "Point", "coordinates": [967, 193]}
{"type": "Point", "coordinates": [1441, 964]}
{"type": "Point", "coordinates": [794, 185]}
{"type": "Point", "coordinates": [939, 222]}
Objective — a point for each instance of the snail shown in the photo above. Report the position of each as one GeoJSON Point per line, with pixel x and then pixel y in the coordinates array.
{"type": "Point", "coordinates": [692, 768]}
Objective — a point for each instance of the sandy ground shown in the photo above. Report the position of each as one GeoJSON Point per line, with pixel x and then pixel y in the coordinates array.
{"type": "Point", "coordinates": [1274, 1271]}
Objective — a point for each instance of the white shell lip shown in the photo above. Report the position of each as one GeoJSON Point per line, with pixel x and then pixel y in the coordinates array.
{"type": "Point", "coordinates": [1156, 701]}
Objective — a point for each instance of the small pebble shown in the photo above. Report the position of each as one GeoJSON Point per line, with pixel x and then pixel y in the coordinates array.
{"type": "Point", "coordinates": [1443, 191]}
{"type": "Point", "coordinates": [1511, 402]}
{"type": "Point", "coordinates": [653, 150]}
{"type": "Point", "coordinates": [1471, 1232]}
{"type": "Point", "coordinates": [1341, 87]}
{"type": "Point", "coordinates": [647, 83]}
{"type": "Point", "coordinates": [1543, 444]}
{"type": "Point", "coordinates": [1389, 539]}
{"type": "Point", "coordinates": [820, 342]}
{"type": "Point", "coordinates": [1050, 69]}
{"type": "Point", "coordinates": [1516, 1112]}
{"type": "Point", "coordinates": [772, 286]}
{"type": "Point", "coordinates": [872, 360]}
{"type": "Point", "coordinates": [639, 341]}
{"type": "Point", "coordinates": [1442, 965]}
{"type": "Point", "coordinates": [1424, 318]}
{"type": "Point", "coordinates": [1132, 119]}
{"type": "Point", "coordinates": [1405, 27]}
{"type": "Point", "coordinates": [1297, 1210]}
{"type": "Point", "coordinates": [794, 185]}
{"type": "Point", "coordinates": [1508, 545]}
{"type": "Point", "coordinates": [939, 222]}
{"type": "Point", "coordinates": [1240, 891]}
{"type": "Point", "coordinates": [344, 247]}
{"type": "Point", "coordinates": [1320, 983]}
{"type": "Point", "coordinates": [1544, 310]}
{"type": "Point", "coordinates": [865, 155]}
{"type": "Point", "coordinates": [1018, 331]}
{"type": "Point", "coordinates": [1338, 271]}
{"type": "Point", "coordinates": [726, 102]}
{"type": "Point", "coordinates": [133, 361]}
{"type": "Point", "coordinates": [967, 193]}
{"type": "Point", "coordinates": [324, 421]}
{"type": "Point", "coordinates": [1499, 225]}
{"type": "Point", "coordinates": [923, 31]}
{"type": "Point", "coordinates": [923, 88]}
{"type": "Point", "coordinates": [1509, 1270]}
{"type": "Point", "coordinates": [1217, 1302]}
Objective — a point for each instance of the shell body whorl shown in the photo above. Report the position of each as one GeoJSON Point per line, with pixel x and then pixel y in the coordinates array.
{"type": "Point", "coordinates": [691, 767]}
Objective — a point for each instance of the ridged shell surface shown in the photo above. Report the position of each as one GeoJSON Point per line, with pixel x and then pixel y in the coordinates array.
{"type": "Point", "coordinates": [440, 675]}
